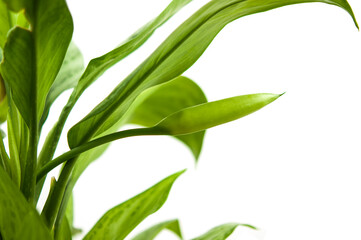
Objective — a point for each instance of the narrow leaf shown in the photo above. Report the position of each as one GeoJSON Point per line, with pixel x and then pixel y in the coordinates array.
{"type": "Point", "coordinates": [67, 78]}
{"type": "Point", "coordinates": [118, 222]}
{"type": "Point", "coordinates": [175, 55]}
{"type": "Point", "coordinates": [17, 217]}
{"type": "Point", "coordinates": [151, 233]}
{"type": "Point", "coordinates": [221, 232]}
{"type": "Point", "coordinates": [207, 115]}
{"type": "Point", "coordinates": [5, 23]}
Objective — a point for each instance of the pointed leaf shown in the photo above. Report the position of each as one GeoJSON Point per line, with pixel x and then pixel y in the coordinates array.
{"type": "Point", "coordinates": [39, 52]}
{"type": "Point", "coordinates": [175, 55]}
{"type": "Point", "coordinates": [67, 78]}
{"type": "Point", "coordinates": [17, 217]}
{"type": "Point", "coordinates": [118, 222]}
{"type": "Point", "coordinates": [207, 115]}
{"type": "Point", "coordinates": [151, 233]}
{"type": "Point", "coordinates": [221, 232]}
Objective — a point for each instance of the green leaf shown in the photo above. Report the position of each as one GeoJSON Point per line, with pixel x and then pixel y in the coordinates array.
{"type": "Point", "coordinates": [17, 217]}
{"type": "Point", "coordinates": [67, 78]}
{"type": "Point", "coordinates": [118, 222]}
{"type": "Point", "coordinates": [221, 232]}
{"type": "Point", "coordinates": [151, 233]}
{"type": "Point", "coordinates": [175, 55]}
{"type": "Point", "coordinates": [40, 54]}
{"type": "Point", "coordinates": [158, 102]}
{"type": "Point", "coordinates": [5, 23]}
{"type": "Point", "coordinates": [207, 115]}
{"type": "Point", "coordinates": [64, 232]}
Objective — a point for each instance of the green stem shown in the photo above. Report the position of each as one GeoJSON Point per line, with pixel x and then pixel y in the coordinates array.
{"type": "Point", "coordinates": [95, 143]}
{"type": "Point", "coordinates": [54, 201]}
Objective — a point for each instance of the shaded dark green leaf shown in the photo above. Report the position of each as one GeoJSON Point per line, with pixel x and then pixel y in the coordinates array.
{"type": "Point", "coordinates": [221, 232]}
{"type": "Point", "coordinates": [118, 222]}
{"type": "Point", "coordinates": [152, 232]}
{"type": "Point", "coordinates": [175, 55]}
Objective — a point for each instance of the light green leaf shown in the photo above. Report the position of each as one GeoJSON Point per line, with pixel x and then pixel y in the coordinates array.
{"type": "Point", "coordinates": [64, 232]}
{"type": "Point", "coordinates": [5, 23]}
{"type": "Point", "coordinates": [151, 233]}
{"type": "Point", "coordinates": [175, 55]}
{"type": "Point", "coordinates": [39, 52]}
{"type": "Point", "coordinates": [207, 115]}
{"type": "Point", "coordinates": [118, 222]}
{"type": "Point", "coordinates": [67, 78]}
{"type": "Point", "coordinates": [158, 102]}
{"type": "Point", "coordinates": [17, 217]}
{"type": "Point", "coordinates": [221, 232]}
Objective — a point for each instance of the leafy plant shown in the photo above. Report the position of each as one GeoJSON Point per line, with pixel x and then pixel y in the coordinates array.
{"type": "Point", "coordinates": [39, 62]}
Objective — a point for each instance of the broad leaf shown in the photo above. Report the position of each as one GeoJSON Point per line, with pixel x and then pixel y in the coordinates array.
{"type": "Point", "coordinates": [221, 232]}
{"type": "Point", "coordinates": [67, 78]}
{"type": "Point", "coordinates": [39, 52]}
{"type": "Point", "coordinates": [118, 222]}
{"type": "Point", "coordinates": [175, 55]}
{"type": "Point", "coordinates": [158, 102]}
{"type": "Point", "coordinates": [17, 217]}
{"type": "Point", "coordinates": [151, 233]}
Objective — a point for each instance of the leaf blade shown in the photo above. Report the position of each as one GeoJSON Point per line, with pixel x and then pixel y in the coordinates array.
{"type": "Point", "coordinates": [221, 232]}
{"type": "Point", "coordinates": [118, 222]}
{"type": "Point", "coordinates": [152, 232]}
{"type": "Point", "coordinates": [176, 54]}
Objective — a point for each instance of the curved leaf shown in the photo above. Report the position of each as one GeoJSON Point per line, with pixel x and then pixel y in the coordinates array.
{"type": "Point", "coordinates": [186, 121]}
{"type": "Point", "coordinates": [221, 232]}
{"type": "Point", "coordinates": [17, 217]}
{"type": "Point", "coordinates": [158, 102]}
{"type": "Point", "coordinates": [67, 78]}
{"type": "Point", "coordinates": [118, 222]}
{"type": "Point", "coordinates": [5, 23]}
{"type": "Point", "coordinates": [151, 233]}
{"type": "Point", "coordinates": [207, 115]}
{"type": "Point", "coordinates": [175, 55]}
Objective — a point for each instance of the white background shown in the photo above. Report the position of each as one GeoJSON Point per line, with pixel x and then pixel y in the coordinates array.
{"type": "Point", "coordinates": [292, 169]}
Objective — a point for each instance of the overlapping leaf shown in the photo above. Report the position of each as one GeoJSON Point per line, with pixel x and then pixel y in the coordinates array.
{"type": "Point", "coordinates": [118, 222]}
{"type": "Point", "coordinates": [39, 52]}
{"type": "Point", "coordinates": [17, 217]}
{"type": "Point", "coordinates": [221, 232]}
{"type": "Point", "coordinates": [152, 232]}
{"type": "Point", "coordinates": [182, 48]}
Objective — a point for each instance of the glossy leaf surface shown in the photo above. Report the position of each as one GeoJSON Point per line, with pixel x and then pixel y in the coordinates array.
{"type": "Point", "coordinates": [118, 222]}
{"type": "Point", "coordinates": [175, 55]}
{"type": "Point", "coordinates": [152, 232]}
{"type": "Point", "coordinates": [17, 217]}
{"type": "Point", "coordinates": [221, 232]}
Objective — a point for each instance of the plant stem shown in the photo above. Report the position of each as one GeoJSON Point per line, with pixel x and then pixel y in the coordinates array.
{"type": "Point", "coordinates": [95, 143]}
{"type": "Point", "coordinates": [54, 201]}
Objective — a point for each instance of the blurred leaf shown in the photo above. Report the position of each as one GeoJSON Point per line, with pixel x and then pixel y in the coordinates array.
{"type": "Point", "coordinates": [64, 232]}
{"type": "Point", "coordinates": [17, 217]}
{"type": "Point", "coordinates": [221, 232]}
{"type": "Point", "coordinates": [40, 54]}
{"type": "Point", "coordinates": [67, 78]}
{"type": "Point", "coordinates": [5, 23]}
{"type": "Point", "coordinates": [119, 221]}
{"type": "Point", "coordinates": [175, 55]}
{"type": "Point", "coordinates": [207, 115]}
{"type": "Point", "coordinates": [151, 233]}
